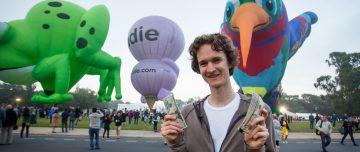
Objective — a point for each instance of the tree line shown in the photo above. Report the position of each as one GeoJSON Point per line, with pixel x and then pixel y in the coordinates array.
{"type": "Point", "coordinates": [342, 91]}
{"type": "Point", "coordinates": [84, 98]}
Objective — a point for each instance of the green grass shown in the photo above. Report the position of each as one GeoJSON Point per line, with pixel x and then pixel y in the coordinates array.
{"type": "Point", "coordinates": [84, 123]}
{"type": "Point", "coordinates": [295, 126]}
{"type": "Point", "coordinates": [304, 126]}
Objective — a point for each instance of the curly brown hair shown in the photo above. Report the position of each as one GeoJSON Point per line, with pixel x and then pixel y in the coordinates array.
{"type": "Point", "coordinates": [219, 42]}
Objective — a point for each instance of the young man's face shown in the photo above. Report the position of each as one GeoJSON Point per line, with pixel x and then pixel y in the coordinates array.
{"type": "Point", "coordinates": [213, 65]}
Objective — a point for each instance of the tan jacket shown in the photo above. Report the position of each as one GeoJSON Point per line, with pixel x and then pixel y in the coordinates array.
{"type": "Point", "coordinates": [197, 137]}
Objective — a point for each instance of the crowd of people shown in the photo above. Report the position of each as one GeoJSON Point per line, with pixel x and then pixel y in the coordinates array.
{"type": "Point", "coordinates": [325, 124]}
{"type": "Point", "coordinates": [68, 118]}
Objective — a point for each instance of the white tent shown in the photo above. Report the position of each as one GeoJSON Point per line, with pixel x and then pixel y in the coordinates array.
{"type": "Point", "coordinates": [159, 106]}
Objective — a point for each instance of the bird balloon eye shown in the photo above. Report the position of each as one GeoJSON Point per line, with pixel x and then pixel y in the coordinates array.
{"type": "Point", "coordinates": [228, 12]}
{"type": "Point", "coordinates": [269, 5]}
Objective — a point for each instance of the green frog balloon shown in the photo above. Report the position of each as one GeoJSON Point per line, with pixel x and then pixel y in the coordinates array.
{"type": "Point", "coordinates": [56, 44]}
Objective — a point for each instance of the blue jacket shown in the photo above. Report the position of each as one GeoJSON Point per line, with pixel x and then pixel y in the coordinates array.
{"type": "Point", "coordinates": [2, 116]}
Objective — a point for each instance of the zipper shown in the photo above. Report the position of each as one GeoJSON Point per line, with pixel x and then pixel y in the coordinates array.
{"type": "Point", "coordinates": [197, 107]}
{"type": "Point", "coordinates": [231, 126]}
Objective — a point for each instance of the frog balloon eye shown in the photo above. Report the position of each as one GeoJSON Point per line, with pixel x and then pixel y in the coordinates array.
{"type": "Point", "coordinates": [63, 16]}
{"type": "Point", "coordinates": [45, 26]}
{"type": "Point", "coordinates": [92, 31]}
{"type": "Point", "coordinates": [55, 4]}
{"type": "Point", "coordinates": [83, 23]}
{"type": "Point", "coordinates": [81, 43]}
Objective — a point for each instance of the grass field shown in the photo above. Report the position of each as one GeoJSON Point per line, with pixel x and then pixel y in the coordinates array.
{"type": "Point", "coordinates": [304, 126]}
{"type": "Point", "coordinates": [295, 126]}
{"type": "Point", "coordinates": [84, 123]}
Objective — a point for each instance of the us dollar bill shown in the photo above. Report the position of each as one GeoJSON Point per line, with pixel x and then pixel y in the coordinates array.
{"type": "Point", "coordinates": [172, 108]}
{"type": "Point", "coordinates": [256, 104]}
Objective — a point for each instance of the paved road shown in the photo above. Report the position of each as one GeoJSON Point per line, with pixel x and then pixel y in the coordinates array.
{"type": "Point", "coordinates": [314, 145]}
{"type": "Point", "coordinates": [81, 144]}
{"type": "Point", "coordinates": [59, 143]}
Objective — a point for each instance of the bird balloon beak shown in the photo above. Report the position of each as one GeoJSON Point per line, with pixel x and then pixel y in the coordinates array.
{"type": "Point", "coordinates": [248, 18]}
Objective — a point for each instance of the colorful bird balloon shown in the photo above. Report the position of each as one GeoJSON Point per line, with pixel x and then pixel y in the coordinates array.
{"type": "Point", "coordinates": [265, 41]}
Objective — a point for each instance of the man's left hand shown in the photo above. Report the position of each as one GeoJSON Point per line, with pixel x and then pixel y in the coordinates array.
{"type": "Point", "coordinates": [258, 135]}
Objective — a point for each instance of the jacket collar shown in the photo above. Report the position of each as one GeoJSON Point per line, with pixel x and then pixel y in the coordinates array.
{"type": "Point", "coordinates": [241, 111]}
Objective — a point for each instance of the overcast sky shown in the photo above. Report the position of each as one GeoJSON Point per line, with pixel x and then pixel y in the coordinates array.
{"type": "Point", "coordinates": [336, 30]}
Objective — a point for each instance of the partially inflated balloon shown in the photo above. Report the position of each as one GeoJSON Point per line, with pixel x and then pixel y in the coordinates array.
{"type": "Point", "coordinates": [149, 76]}
{"type": "Point", "coordinates": [163, 93]}
{"type": "Point", "coordinates": [155, 37]}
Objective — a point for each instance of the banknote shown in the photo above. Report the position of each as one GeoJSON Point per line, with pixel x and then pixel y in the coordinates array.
{"type": "Point", "coordinates": [256, 104]}
{"type": "Point", "coordinates": [172, 108]}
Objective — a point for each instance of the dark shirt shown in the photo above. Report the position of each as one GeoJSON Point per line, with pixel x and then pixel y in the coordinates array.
{"type": "Point", "coordinates": [107, 121]}
{"type": "Point", "coordinates": [118, 120]}
{"type": "Point", "coordinates": [10, 119]}
{"type": "Point", "coordinates": [311, 118]}
{"type": "Point", "coordinates": [64, 116]}
{"type": "Point", "coordinates": [317, 118]}
{"type": "Point", "coordinates": [348, 125]}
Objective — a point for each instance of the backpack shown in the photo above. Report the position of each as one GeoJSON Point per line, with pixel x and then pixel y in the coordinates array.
{"type": "Point", "coordinates": [317, 132]}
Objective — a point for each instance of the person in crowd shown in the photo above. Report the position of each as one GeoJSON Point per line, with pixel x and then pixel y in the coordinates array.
{"type": "Point", "coordinates": [130, 116]}
{"type": "Point", "coordinates": [145, 117]}
{"type": "Point", "coordinates": [8, 125]}
{"type": "Point", "coordinates": [325, 128]}
{"type": "Point", "coordinates": [124, 115]}
{"type": "Point", "coordinates": [102, 122]}
{"type": "Point", "coordinates": [317, 118]}
{"type": "Point", "coordinates": [18, 111]}
{"type": "Point", "coordinates": [151, 117]}
{"type": "Point", "coordinates": [277, 128]}
{"type": "Point", "coordinates": [156, 120]}
{"type": "Point", "coordinates": [356, 122]}
{"type": "Point", "coordinates": [113, 114]}
{"type": "Point", "coordinates": [118, 119]}
{"type": "Point", "coordinates": [77, 116]}
{"type": "Point", "coordinates": [311, 119]}
{"type": "Point", "coordinates": [348, 126]}
{"type": "Point", "coordinates": [71, 119]}
{"type": "Point", "coordinates": [284, 130]}
{"type": "Point", "coordinates": [94, 127]}
{"type": "Point", "coordinates": [64, 120]}
{"type": "Point", "coordinates": [55, 121]}
{"type": "Point", "coordinates": [25, 122]}
{"type": "Point", "coordinates": [34, 114]}
{"type": "Point", "coordinates": [107, 122]}
{"type": "Point", "coordinates": [51, 113]}
{"type": "Point", "coordinates": [2, 116]}
{"type": "Point", "coordinates": [136, 116]}
{"type": "Point", "coordinates": [333, 120]}
{"type": "Point", "coordinates": [212, 122]}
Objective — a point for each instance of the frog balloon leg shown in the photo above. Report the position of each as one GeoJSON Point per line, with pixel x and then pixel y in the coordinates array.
{"type": "Point", "coordinates": [90, 53]}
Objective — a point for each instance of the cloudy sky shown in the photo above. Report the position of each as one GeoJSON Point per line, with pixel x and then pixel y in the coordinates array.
{"type": "Point", "coordinates": [336, 30]}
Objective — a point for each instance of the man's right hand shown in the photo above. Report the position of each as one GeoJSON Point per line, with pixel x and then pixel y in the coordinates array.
{"type": "Point", "coordinates": [170, 129]}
